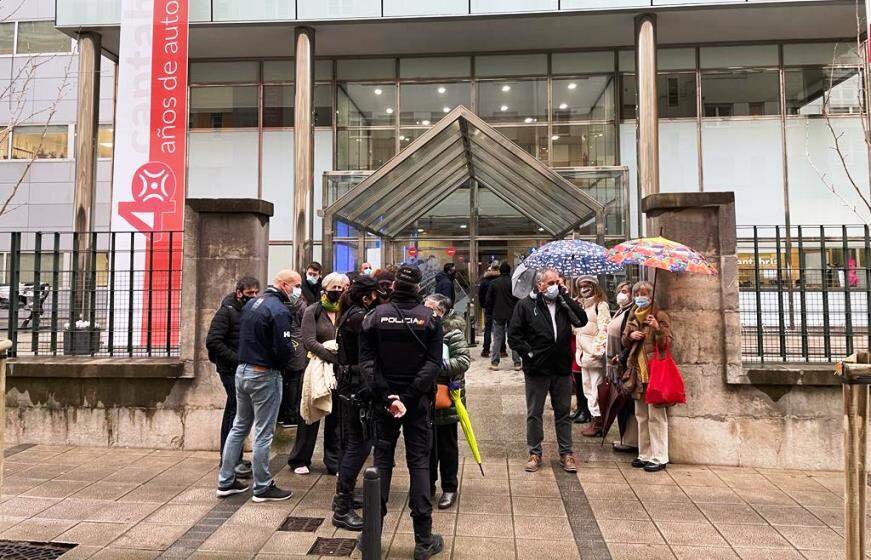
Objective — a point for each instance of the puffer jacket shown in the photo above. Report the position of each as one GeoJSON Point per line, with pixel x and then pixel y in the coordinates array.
{"type": "Point", "coordinates": [222, 342]}
{"type": "Point", "coordinates": [459, 360]}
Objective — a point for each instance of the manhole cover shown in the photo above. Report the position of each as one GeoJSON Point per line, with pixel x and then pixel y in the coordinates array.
{"type": "Point", "coordinates": [301, 524]}
{"type": "Point", "coordinates": [23, 550]}
{"type": "Point", "coordinates": [333, 547]}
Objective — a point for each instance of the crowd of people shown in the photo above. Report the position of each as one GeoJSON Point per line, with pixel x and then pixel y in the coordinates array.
{"type": "Point", "coordinates": [397, 360]}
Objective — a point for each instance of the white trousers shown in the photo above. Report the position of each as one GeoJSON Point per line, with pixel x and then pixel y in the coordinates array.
{"type": "Point", "coordinates": [591, 378]}
{"type": "Point", "coordinates": [652, 432]}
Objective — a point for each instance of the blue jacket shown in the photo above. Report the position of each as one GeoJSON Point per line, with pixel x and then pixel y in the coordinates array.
{"type": "Point", "coordinates": [444, 285]}
{"type": "Point", "coordinates": [268, 334]}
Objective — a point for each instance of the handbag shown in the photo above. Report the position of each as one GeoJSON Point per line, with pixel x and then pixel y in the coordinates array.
{"type": "Point", "coordinates": [666, 386]}
{"type": "Point", "coordinates": [443, 397]}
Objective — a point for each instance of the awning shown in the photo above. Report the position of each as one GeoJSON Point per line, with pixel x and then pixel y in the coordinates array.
{"type": "Point", "coordinates": [459, 148]}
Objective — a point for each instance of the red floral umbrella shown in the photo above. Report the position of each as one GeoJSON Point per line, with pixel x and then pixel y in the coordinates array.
{"type": "Point", "coordinates": [659, 252]}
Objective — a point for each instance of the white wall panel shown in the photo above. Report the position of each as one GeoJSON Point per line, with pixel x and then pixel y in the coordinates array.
{"type": "Point", "coordinates": [323, 162]}
{"type": "Point", "coordinates": [278, 177]}
{"type": "Point", "coordinates": [602, 4]}
{"type": "Point", "coordinates": [396, 8]}
{"type": "Point", "coordinates": [512, 6]}
{"type": "Point", "coordinates": [222, 164]}
{"type": "Point", "coordinates": [628, 157]}
{"type": "Point", "coordinates": [678, 156]}
{"type": "Point", "coordinates": [337, 9]}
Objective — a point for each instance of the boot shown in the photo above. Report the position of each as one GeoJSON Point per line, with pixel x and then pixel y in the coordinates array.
{"type": "Point", "coordinates": [583, 416]}
{"type": "Point", "coordinates": [594, 429]}
{"type": "Point", "coordinates": [356, 503]}
{"type": "Point", "coordinates": [426, 548]}
{"type": "Point", "coordinates": [344, 516]}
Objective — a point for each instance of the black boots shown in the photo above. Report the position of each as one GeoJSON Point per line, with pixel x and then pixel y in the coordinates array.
{"type": "Point", "coordinates": [447, 500]}
{"type": "Point", "coordinates": [344, 515]}
{"type": "Point", "coordinates": [426, 548]}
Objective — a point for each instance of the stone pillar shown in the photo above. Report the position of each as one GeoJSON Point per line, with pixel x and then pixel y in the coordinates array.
{"type": "Point", "coordinates": [648, 117]}
{"type": "Point", "coordinates": [303, 137]}
{"type": "Point", "coordinates": [224, 239]}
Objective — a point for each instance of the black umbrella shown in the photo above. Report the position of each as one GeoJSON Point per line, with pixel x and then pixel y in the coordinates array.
{"type": "Point", "coordinates": [612, 401]}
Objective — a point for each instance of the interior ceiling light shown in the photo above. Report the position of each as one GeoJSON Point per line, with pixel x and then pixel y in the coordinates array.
{"type": "Point", "coordinates": [401, 138]}
{"type": "Point", "coordinates": [419, 230]}
{"type": "Point", "coordinates": [555, 137]}
{"type": "Point", "coordinates": [378, 91]}
{"type": "Point", "coordinates": [425, 123]}
{"type": "Point", "coordinates": [442, 89]}
{"type": "Point", "coordinates": [572, 85]}
{"type": "Point", "coordinates": [563, 106]}
{"type": "Point", "coordinates": [446, 109]}
{"type": "Point", "coordinates": [527, 120]}
{"type": "Point", "coordinates": [541, 229]}
{"type": "Point", "coordinates": [463, 226]}
{"type": "Point", "coordinates": [389, 110]}
{"type": "Point", "coordinates": [506, 88]}
{"type": "Point", "coordinates": [503, 108]}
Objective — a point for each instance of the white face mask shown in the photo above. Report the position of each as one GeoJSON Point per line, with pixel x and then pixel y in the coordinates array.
{"type": "Point", "coordinates": [622, 299]}
{"type": "Point", "coordinates": [294, 294]}
{"type": "Point", "coordinates": [552, 291]}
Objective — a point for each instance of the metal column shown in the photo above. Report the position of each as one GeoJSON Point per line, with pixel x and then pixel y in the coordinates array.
{"type": "Point", "coordinates": [473, 261]}
{"type": "Point", "coordinates": [303, 136]}
{"type": "Point", "coordinates": [648, 117]}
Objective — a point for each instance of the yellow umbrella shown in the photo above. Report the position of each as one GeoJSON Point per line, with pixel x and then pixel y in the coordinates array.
{"type": "Point", "coordinates": [466, 423]}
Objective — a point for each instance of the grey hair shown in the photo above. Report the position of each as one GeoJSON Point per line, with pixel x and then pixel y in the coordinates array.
{"type": "Point", "coordinates": [642, 284]}
{"type": "Point", "coordinates": [441, 301]}
{"type": "Point", "coordinates": [539, 275]}
{"type": "Point", "coordinates": [335, 279]}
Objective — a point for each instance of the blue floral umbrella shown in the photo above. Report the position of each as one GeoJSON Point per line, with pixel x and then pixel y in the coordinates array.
{"type": "Point", "coordinates": [572, 257]}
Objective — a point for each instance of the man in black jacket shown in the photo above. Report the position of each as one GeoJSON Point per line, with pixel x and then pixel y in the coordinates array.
{"type": "Point", "coordinates": [222, 343]}
{"type": "Point", "coordinates": [540, 331]}
{"type": "Point", "coordinates": [311, 286]}
{"type": "Point", "coordinates": [483, 286]}
{"type": "Point", "coordinates": [400, 357]}
{"type": "Point", "coordinates": [269, 340]}
{"type": "Point", "coordinates": [444, 281]}
{"type": "Point", "coordinates": [501, 302]}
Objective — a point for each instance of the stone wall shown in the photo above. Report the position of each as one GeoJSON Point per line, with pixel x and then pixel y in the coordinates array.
{"type": "Point", "coordinates": [729, 420]}
{"type": "Point", "coordinates": [163, 403]}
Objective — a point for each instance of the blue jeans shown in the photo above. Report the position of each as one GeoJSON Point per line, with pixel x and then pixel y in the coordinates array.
{"type": "Point", "coordinates": [258, 397]}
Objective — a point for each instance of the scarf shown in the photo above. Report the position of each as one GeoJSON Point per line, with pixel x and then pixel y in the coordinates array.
{"type": "Point", "coordinates": [328, 306]}
{"type": "Point", "coordinates": [643, 372]}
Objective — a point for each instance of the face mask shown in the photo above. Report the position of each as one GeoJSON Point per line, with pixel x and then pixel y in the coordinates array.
{"type": "Point", "coordinates": [294, 294]}
{"type": "Point", "coordinates": [642, 301]}
{"type": "Point", "coordinates": [622, 299]}
{"type": "Point", "coordinates": [333, 297]}
{"type": "Point", "coordinates": [367, 272]}
{"type": "Point", "coordinates": [245, 299]}
{"type": "Point", "coordinates": [312, 279]}
{"type": "Point", "coordinates": [586, 292]}
{"type": "Point", "coordinates": [552, 291]}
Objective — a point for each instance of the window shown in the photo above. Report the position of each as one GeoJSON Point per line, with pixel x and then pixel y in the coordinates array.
{"type": "Point", "coordinates": [511, 65]}
{"type": "Point", "coordinates": [366, 104]}
{"type": "Point", "coordinates": [424, 104]}
{"type": "Point", "coordinates": [5, 132]}
{"type": "Point", "coordinates": [223, 107]}
{"type": "Point", "coordinates": [7, 38]}
{"type": "Point", "coordinates": [809, 89]}
{"type": "Point", "coordinates": [741, 93]}
{"type": "Point", "coordinates": [36, 37]}
{"type": "Point", "coordinates": [513, 101]}
{"type": "Point", "coordinates": [278, 106]}
{"type": "Point", "coordinates": [364, 149]}
{"type": "Point", "coordinates": [105, 139]}
{"type": "Point", "coordinates": [436, 67]}
{"type": "Point", "coordinates": [224, 72]}
{"type": "Point", "coordinates": [40, 142]}
{"type": "Point", "coordinates": [583, 145]}
{"type": "Point", "coordinates": [676, 93]}
{"type": "Point", "coordinates": [533, 139]}
{"type": "Point", "coordinates": [588, 98]}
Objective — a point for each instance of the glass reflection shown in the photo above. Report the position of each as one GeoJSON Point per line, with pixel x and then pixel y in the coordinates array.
{"type": "Point", "coordinates": [366, 104]}
{"type": "Point", "coordinates": [364, 149]}
{"type": "Point", "coordinates": [741, 93]}
{"type": "Point", "coordinates": [587, 98]}
{"type": "Point", "coordinates": [583, 145]}
{"type": "Point", "coordinates": [809, 89]}
{"type": "Point", "coordinates": [427, 103]}
{"type": "Point", "coordinates": [513, 101]}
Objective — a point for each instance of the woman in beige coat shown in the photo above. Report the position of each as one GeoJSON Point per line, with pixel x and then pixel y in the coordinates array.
{"type": "Point", "coordinates": [590, 344]}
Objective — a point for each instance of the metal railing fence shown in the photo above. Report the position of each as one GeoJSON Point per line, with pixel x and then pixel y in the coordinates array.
{"type": "Point", "coordinates": [804, 292]}
{"type": "Point", "coordinates": [91, 294]}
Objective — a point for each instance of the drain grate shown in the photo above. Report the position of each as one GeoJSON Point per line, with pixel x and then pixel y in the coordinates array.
{"type": "Point", "coordinates": [301, 524]}
{"type": "Point", "coordinates": [24, 550]}
{"type": "Point", "coordinates": [333, 547]}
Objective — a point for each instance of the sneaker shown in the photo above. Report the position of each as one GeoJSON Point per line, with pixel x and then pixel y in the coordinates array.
{"type": "Point", "coordinates": [272, 494]}
{"type": "Point", "coordinates": [243, 470]}
{"type": "Point", "coordinates": [533, 463]}
{"type": "Point", "coordinates": [237, 487]}
{"type": "Point", "coordinates": [654, 467]}
{"type": "Point", "coordinates": [493, 367]}
{"type": "Point", "coordinates": [569, 463]}
{"type": "Point", "coordinates": [286, 423]}
{"type": "Point", "coordinates": [301, 470]}
{"type": "Point", "coordinates": [427, 549]}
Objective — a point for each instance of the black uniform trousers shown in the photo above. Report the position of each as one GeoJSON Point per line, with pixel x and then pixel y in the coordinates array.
{"type": "Point", "coordinates": [445, 457]}
{"type": "Point", "coordinates": [307, 437]}
{"type": "Point", "coordinates": [416, 428]}
{"type": "Point", "coordinates": [355, 447]}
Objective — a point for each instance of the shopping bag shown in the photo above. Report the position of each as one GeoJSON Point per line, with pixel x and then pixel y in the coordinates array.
{"type": "Point", "coordinates": [666, 387]}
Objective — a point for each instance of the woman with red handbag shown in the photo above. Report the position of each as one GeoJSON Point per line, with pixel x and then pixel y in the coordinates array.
{"type": "Point", "coordinates": [648, 335]}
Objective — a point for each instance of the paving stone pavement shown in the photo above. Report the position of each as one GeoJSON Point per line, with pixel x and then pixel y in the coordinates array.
{"type": "Point", "coordinates": [118, 504]}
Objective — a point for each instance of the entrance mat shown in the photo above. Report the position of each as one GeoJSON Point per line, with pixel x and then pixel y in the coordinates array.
{"type": "Point", "coordinates": [25, 550]}
{"type": "Point", "coordinates": [333, 547]}
{"type": "Point", "coordinates": [301, 524]}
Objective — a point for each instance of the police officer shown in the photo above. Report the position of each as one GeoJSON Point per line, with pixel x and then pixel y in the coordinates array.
{"type": "Point", "coordinates": [400, 357]}
{"type": "Point", "coordinates": [356, 443]}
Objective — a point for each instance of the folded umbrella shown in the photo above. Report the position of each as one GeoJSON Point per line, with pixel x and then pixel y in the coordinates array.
{"type": "Point", "coordinates": [466, 424]}
{"type": "Point", "coordinates": [612, 399]}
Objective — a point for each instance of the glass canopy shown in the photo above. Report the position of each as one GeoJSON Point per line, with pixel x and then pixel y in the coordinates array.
{"type": "Point", "coordinates": [461, 160]}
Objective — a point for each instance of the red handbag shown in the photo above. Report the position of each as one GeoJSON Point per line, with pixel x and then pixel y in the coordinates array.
{"type": "Point", "coordinates": [666, 387]}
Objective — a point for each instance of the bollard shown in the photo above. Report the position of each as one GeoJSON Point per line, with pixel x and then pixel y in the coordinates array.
{"type": "Point", "coordinates": [371, 537]}
{"type": "Point", "coordinates": [5, 345]}
{"type": "Point", "coordinates": [855, 374]}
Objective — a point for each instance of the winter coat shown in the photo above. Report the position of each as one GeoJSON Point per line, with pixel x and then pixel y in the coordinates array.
{"type": "Point", "coordinates": [348, 338]}
{"type": "Point", "coordinates": [459, 360]}
{"type": "Point", "coordinates": [268, 335]}
{"type": "Point", "coordinates": [311, 293]}
{"type": "Point", "coordinates": [444, 285]}
{"type": "Point", "coordinates": [655, 341]}
{"type": "Point", "coordinates": [531, 334]}
{"type": "Point", "coordinates": [590, 339]}
{"type": "Point", "coordinates": [317, 329]}
{"type": "Point", "coordinates": [500, 299]}
{"type": "Point", "coordinates": [484, 286]}
{"type": "Point", "coordinates": [222, 342]}
{"type": "Point", "coordinates": [318, 383]}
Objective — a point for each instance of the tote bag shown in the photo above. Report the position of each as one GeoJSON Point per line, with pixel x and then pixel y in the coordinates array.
{"type": "Point", "coordinates": [666, 387]}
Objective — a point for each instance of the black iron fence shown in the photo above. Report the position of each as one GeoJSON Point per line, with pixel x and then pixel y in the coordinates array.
{"type": "Point", "coordinates": [804, 292]}
{"type": "Point", "coordinates": [91, 294]}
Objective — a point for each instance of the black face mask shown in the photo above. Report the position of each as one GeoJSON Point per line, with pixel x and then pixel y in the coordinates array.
{"type": "Point", "coordinates": [245, 299]}
{"type": "Point", "coordinates": [333, 297]}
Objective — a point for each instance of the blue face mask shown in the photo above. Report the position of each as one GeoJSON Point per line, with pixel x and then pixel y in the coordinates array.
{"type": "Point", "coordinates": [552, 291]}
{"type": "Point", "coordinates": [642, 301]}
{"type": "Point", "coordinates": [295, 294]}
{"type": "Point", "coordinates": [312, 279]}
